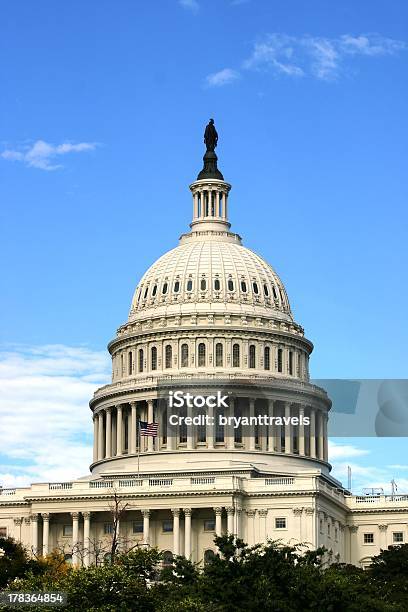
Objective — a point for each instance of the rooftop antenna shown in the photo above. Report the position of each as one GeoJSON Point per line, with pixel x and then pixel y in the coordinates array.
{"type": "Point", "coordinates": [394, 488]}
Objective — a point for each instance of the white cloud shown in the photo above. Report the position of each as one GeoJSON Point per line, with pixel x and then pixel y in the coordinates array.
{"type": "Point", "coordinates": [190, 5]}
{"type": "Point", "coordinates": [318, 57]}
{"type": "Point", "coordinates": [223, 77]}
{"type": "Point", "coordinates": [46, 425]}
{"type": "Point", "coordinates": [344, 451]}
{"type": "Point", "coordinates": [41, 153]}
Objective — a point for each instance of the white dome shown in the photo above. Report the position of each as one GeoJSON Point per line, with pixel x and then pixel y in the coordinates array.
{"type": "Point", "coordinates": [214, 274]}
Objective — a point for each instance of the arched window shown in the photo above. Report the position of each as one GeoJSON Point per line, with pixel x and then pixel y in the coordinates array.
{"type": "Point", "coordinates": [252, 356]}
{"type": "Point", "coordinates": [219, 355]}
{"type": "Point", "coordinates": [243, 287]}
{"type": "Point", "coordinates": [201, 355]}
{"type": "Point", "coordinates": [208, 556]}
{"type": "Point", "coordinates": [266, 290]}
{"type": "Point", "coordinates": [122, 366]}
{"type": "Point", "coordinates": [154, 358]}
{"type": "Point", "coordinates": [164, 290]}
{"type": "Point", "coordinates": [217, 284]}
{"type": "Point", "coordinates": [140, 360]}
{"type": "Point", "coordinates": [203, 284]}
{"type": "Point", "coordinates": [167, 558]}
{"type": "Point", "coordinates": [291, 363]}
{"type": "Point", "coordinates": [230, 284]}
{"type": "Point", "coordinates": [235, 356]}
{"type": "Point", "coordinates": [176, 286]}
{"type": "Point", "coordinates": [267, 358]}
{"type": "Point", "coordinates": [168, 355]}
{"type": "Point", "coordinates": [189, 285]}
{"type": "Point", "coordinates": [130, 362]}
{"type": "Point", "coordinates": [154, 290]}
{"type": "Point", "coordinates": [280, 360]}
{"type": "Point", "coordinates": [184, 355]}
{"type": "Point", "coordinates": [255, 288]}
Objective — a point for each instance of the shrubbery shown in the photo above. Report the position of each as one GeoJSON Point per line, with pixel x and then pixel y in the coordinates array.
{"type": "Point", "coordinates": [270, 577]}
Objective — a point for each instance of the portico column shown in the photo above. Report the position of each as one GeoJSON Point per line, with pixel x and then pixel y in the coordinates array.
{"type": "Point", "coordinates": [150, 420]}
{"type": "Point", "coordinates": [75, 531]}
{"type": "Point", "coordinates": [187, 532]}
{"type": "Point", "coordinates": [301, 442]}
{"type": "Point", "coordinates": [230, 520]}
{"type": "Point", "coordinates": [108, 432]}
{"type": "Point", "coordinates": [100, 435]}
{"type": "Point", "coordinates": [95, 440]}
{"type": "Point", "coordinates": [87, 542]}
{"type": "Point", "coordinates": [119, 429]}
{"type": "Point", "coordinates": [218, 521]}
{"type": "Point", "coordinates": [312, 433]}
{"type": "Point", "coordinates": [46, 533]}
{"type": "Point", "coordinates": [146, 526]}
{"type": "Point", "coordinates": [288, 430]}
{"type": "Point", "coordinates": [176, 531]}
{"type": "Point", "coordinates": [34, 533]}
{"type": "Point", "coordinates": [133, 428]}
{"type": "Point", "coordinates": [251, 427]}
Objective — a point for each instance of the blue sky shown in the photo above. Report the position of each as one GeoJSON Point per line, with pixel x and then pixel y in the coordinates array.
{"type": "Point", "coordinates": [102, 110]}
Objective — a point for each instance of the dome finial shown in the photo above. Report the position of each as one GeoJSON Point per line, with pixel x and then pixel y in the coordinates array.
{"type": "Point", "coordinates": [210, 169]}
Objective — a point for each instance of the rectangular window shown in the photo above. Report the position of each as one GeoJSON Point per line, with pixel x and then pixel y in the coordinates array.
{"type": "Point", "coordinates": [368, 538]}
{"type": "Point", "coordinates": [108, 528]}
{"type": "Point", "coordinates": [209, 525]}
{"type": "Point", "coordinates": [137, 527]}
{"type": "Point", "coordinates": [397, 537]}
{"type": "Point", "coordinates": [167, 526]}
{"type": "Point", "coordinates": [67, 530]}
{"type": "Point", "coordinates": [280, 523]}
{"type": "Point", "coordinates": [336, 534]}
{"type": "Point", "coordinates": [3, 532]}
{"type": "Point", "coordinates": [321, 525]}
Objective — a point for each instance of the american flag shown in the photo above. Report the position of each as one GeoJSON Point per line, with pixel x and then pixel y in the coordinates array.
{"type": "Point", "coordinates": [148, 429]}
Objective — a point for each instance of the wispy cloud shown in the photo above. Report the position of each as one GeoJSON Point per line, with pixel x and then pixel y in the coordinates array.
{"type": "Point", "coordinates": [41, 154]}
{"type": "Point", "coordinates": [318, 57]}
{"type": "Point", "coordinates": [46, 426]}
{"type": "Point", "coordinates": [223, 77]}
{"type": "Point", "coordinates": [190, 5]}
{"type": "Point", "coordinates": [345, 451]}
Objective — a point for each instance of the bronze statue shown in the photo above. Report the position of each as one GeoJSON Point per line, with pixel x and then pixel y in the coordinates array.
{"type": "Point", "coordinates": [210, 136]}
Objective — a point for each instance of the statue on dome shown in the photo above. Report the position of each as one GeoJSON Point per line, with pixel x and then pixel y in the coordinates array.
{"type": "Point", "coordinates": [210, 136]}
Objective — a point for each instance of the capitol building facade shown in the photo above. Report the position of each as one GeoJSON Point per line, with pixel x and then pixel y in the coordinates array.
{"type": "Point", "coordinates": [209, 317]}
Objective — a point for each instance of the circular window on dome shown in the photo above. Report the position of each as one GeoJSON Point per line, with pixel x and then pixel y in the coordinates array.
{"type": "Point", "coordinates": [154, 290]}
{"type": "Point", "coordinates": [243, 286]}
{"type": "Point", "coordinates": [189, 286]}
{"type": "Point", "coordinates": [203, 284]}
{"type": "Point", "coordinates": [217, 284]}
{"type": "Point", "coordinates": [230, 284]}
{"type": "Point", "coordinates": [266, 290]}
{"type": "Point", "coordinates": [255, 288]}
{"type": "Point", "coordinates": [165, 287]}
{"type": "Point", "coordinates": [176, 286]}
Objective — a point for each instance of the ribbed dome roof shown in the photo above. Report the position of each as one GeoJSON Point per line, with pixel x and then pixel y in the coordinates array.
{"type": "Point", "coordinates": [213, 275]}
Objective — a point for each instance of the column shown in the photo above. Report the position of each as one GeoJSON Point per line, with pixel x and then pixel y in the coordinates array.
{"type": "Point", "coordinates": [75, 531]}
{"type": "Point", "coordinates": [100, 436]}
{"type": "Point", "coordinates": [301, 431]}
{"type": "Point", "coordinates": [325, 438]}
{"type": "Point", "coordinates": [218, 521]}
{"type": "Point", "coordinates": [108, 432]}
{"type": "Point", "coordinates": [46, 533]}
{"type": "Point", "coordinates": [190, 429]}
{"type": "Point", "coordinates": [250, 538]}
{"type": "Point", "coordinates": [133, 426]}
{"type": "Point", "coordinates": [176, 531]}
{"type": "Point", "coordinates": [150, 418]}
{"type": "Point", "coordinates": [95, 439]}
{"type": "Point", "coordinates": [251, 427]}
{"type": "Point", "coordinates": [217, 203]}
{"type": "Point", "coordinates": [288, 430]}
{"type": "Point", "coordinates": [230, 428]}
{"type": "Point", "coordinates": [34, 533]}
{"type": "Point", "coordinates": [312, 432]}
{"type": "Point", "coordinates": [195, 203]}
{"type": "Point", "coordinates": [230, 520]}
{"type": "Point", "coordinates": [271, 429]}
{"type": "Point", "coordinates": [383, 536]}
{"type": "Point", "coordinates": [320, 435]}
{"type": "Point", "coordinates": [238, 522]}
{"type": "Point", "coordinates": [87, 541]}
{"type": "Point", "coordinates": [119, 425]}
{"type": "Point", "coordinates": [187, 533]}
{"type": "Point", "coordinates": [298, 513]}
{"type": "Point", "coordinates": [262, 524]}
{"type": "Point", "coordinates": [210, 428]}
{"type": "Point", "coordinates": [146, 526]}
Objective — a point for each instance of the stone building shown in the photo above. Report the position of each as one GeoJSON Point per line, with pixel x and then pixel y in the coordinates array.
{"type": "Point", "coordinates": [210, 315]}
